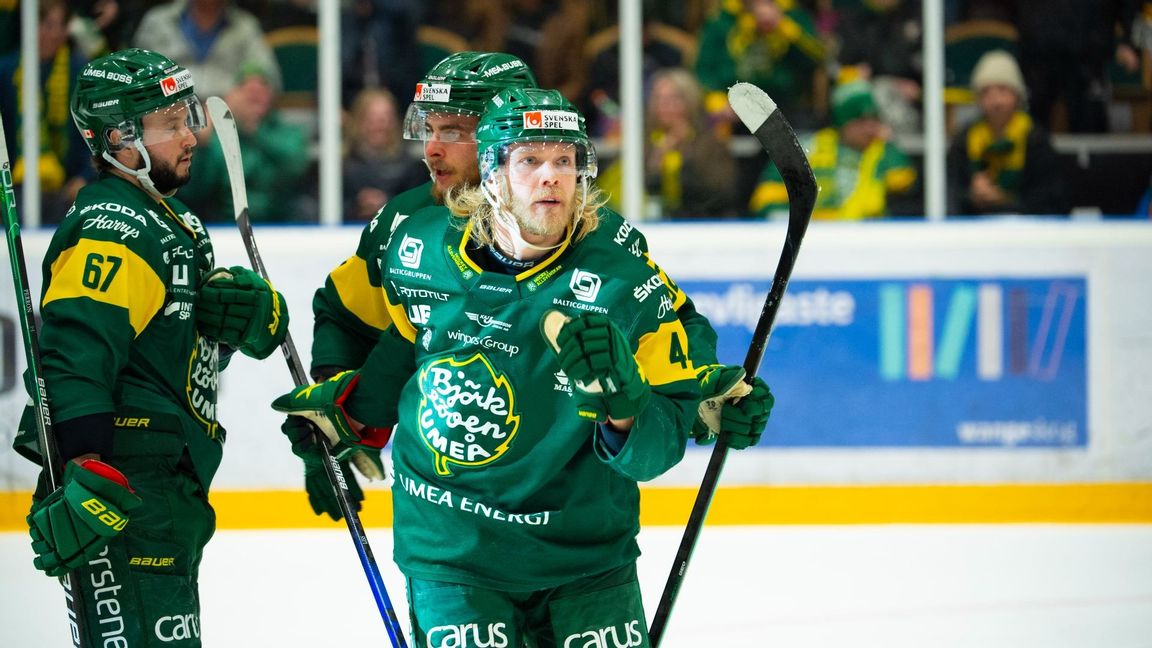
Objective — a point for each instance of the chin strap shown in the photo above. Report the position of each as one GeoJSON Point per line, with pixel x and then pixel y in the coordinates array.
{"type": "Point", "coordinates": [141, 175]}
{"type": "Point", "coordinates": [509, 234]}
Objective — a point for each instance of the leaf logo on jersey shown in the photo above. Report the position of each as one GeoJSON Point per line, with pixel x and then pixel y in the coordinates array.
{"type": "Point", "coordinates": [203, 380]}
{"type": "Point", "coordinates": [467, 412]}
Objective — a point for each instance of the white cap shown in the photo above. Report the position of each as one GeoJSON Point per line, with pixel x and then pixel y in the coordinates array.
{"type": "Point", "coordinates": [998, 68]}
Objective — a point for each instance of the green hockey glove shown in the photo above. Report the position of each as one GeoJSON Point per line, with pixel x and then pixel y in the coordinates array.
{"type": "Point", "coordinates": [323, 404]}
{"type": "Point", "coordinates": [728, 403]}
{"type": "Point", "coordinates": [594, 354]}
{"type": "Point", "coordinates": [77, 520]}
{"type": "Point", "coordinates": [239, 308]}
{"type": "Point", "coordinates": [321, 493]}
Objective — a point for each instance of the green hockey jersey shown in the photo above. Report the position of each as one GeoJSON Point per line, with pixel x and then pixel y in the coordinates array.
{"type": "Point", "coordinates": [498, 482]}
{"type": "Point", "coordinates": [119, 327]}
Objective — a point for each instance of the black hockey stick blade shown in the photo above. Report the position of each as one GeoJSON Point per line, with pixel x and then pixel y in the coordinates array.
{"type": "Point", "coordinates": [225, 126]}
{"type": "Point", "coordinates": [758, 112]}
{"type": "Point", "coordinates": [49, 452]}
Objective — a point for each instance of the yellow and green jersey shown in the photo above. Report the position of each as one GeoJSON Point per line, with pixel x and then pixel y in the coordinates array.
{"type": "Point", "coordinates": [119, 327]}
{"type": "Point", "coordinates": [499, 482]}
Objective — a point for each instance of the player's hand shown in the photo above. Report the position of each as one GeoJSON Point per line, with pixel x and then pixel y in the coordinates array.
{"type": "Point", "coordinates": [729, 404]}
{"type": "Point", "coordinates": [321, 493]}
{"type": "Point", "coordinates": [77, 520]}
{"type": "Point", "coordinates": [594, 354]}
{"type": "Point", "coordinates": [323, 404]}
{"type": "Point", "coordinates": [239, 308]}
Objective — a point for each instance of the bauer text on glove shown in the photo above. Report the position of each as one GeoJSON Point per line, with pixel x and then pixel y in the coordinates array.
{"type": "Point", "coordinates": [77, 520]}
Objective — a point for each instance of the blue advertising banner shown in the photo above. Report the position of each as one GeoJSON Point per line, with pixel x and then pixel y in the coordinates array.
{"type": "Point", "coordinates": [992, 362]}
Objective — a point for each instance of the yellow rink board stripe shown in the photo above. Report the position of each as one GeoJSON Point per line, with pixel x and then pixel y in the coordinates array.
{"type": "Point", "coordinates": [733, 505]}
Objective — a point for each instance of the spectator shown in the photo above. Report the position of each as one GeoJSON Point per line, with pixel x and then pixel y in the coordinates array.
{"type": "Point", "coordinates": [602, 83]}
{"type": "Point", "coordinates": [379, 49]}
{"type": "Point", "coordinates": [63, 161]}
{"type": "Point", "coordinates": [377, 165]}
{"type": "Point", "coordinates": [858, 170]}
{"type": "Point", "coordinates": [276, 159]}
{"type": "Point", "coordinates": [688, 171]}
{"type": "Point", "coordinates": [880, 43]}
{"type": "Point", "coordinates": [770, 43]}
{"type": "Point", "coordinates": [1003, 162]}
{"type": "Point", "coordinates": [1065, 49]}
{"type": "Point", "coordinates": [212, 38]}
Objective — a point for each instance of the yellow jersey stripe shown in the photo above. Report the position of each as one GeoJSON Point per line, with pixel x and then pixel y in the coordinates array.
{"type": "Point", "coordinates": [655, 355]}
{"type": "Point", "coordinates": [109, 273]}
{"type": "Point", "coordinates": [358, 295]}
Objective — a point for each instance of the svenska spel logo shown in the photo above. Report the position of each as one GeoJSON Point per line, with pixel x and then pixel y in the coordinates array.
{"type": "Point", "coordinates": [170, 85]}
{"type": "Point", "coordinates": [434, 92]}
{"type": "Point", "coordinates": [551, 119]}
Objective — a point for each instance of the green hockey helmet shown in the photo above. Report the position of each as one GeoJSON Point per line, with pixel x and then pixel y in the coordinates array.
{"type": "Point", "coordinates": [527, 115]}
{"type": "Point", "coordinates": [114, 92]}
{"type": "Point", "coordinates": [461, 84]}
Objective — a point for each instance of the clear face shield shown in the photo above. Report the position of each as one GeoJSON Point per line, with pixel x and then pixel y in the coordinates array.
{"type": "Point", "coordinates": [174, 121]}
{"type": "Point", "coordinates": [444, 124]}
{"type": "Point", "coordinates": [526, 161]}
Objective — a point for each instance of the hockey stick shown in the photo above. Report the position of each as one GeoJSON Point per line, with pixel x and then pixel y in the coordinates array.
{"type": "Point", "coordinates": [758, 112]}
{"type": "Point", "coordinates": [225, 126]}
{"type": "Point", "coordinates": [50, 453]}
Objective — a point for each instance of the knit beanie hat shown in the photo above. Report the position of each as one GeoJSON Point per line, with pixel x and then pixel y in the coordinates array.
{"type": "Point", "coordinates": [853, 100]}
{"type": "Point", "coordinates": [998, 68]}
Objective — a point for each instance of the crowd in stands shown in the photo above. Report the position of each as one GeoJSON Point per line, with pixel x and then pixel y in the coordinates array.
{"type": "Point", "coordinates": [846, 73]}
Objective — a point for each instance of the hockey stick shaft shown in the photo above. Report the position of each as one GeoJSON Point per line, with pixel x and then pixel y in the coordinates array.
{"type": "Point", "coordinates": [759, 113]}
{"type": "Point", "coordinates": [225, 127]}
{"type": "Point", "coordinates": [49, 451]}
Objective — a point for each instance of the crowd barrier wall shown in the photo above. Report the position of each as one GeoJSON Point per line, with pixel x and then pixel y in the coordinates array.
{"type": "Point", "coordinates": [994, 371]}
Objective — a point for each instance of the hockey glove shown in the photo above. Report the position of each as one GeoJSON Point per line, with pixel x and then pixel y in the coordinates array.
{"type": "Point", "coordinates": [594, 354]}
{"type": "Point", "coordinates": [239, 308]}
{"type": "Point", "coordinates": [77, 520]}
{"type": "Point", "coordinates": [727, 403]}
{"type": "Point", "coordinates": [321, 493]}
{"type": "Point", "coordinates": [323, 404]}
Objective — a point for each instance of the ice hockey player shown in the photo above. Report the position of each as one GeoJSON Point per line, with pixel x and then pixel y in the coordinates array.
{"type": "Point", "coordinates": [136, 325]}
{"type": "Point", "coordinates": [535, 370]}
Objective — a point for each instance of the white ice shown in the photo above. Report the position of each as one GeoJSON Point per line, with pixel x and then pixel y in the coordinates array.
{"type": "Point", "coordinates": [897, 586]}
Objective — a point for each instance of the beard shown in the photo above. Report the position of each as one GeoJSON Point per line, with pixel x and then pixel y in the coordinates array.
{"type": "Point", "coordinates": [166, 179]}
{"type": "Point", "coordinates": [552, 223]}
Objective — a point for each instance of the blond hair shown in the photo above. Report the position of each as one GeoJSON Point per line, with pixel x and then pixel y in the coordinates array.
{"type": "Point", "coordinates": [470, 206]}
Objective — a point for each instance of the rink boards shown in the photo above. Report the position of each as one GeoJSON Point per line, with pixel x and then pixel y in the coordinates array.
{"type": "Point", "coordinates": [951, 372]}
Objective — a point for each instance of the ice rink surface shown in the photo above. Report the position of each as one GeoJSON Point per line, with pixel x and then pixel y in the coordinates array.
{"type": "Point", "coordinates": [898, 586]}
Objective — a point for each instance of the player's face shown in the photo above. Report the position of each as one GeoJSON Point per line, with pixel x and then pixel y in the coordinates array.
{"type": "Point", "coordinates": [450, 150]}
{"type": "Point", "coordinates": [170, 136]}
{"type": "Point", "coordinates": [542, 177]}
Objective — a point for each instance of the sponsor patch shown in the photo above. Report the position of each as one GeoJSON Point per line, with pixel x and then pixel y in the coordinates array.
{"type": "Point", "coordinates": [433, 92]}
{"type": "Point", "coordinates": [552, 119]}
{"type": "Point", "coordinates": [172, 84]}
